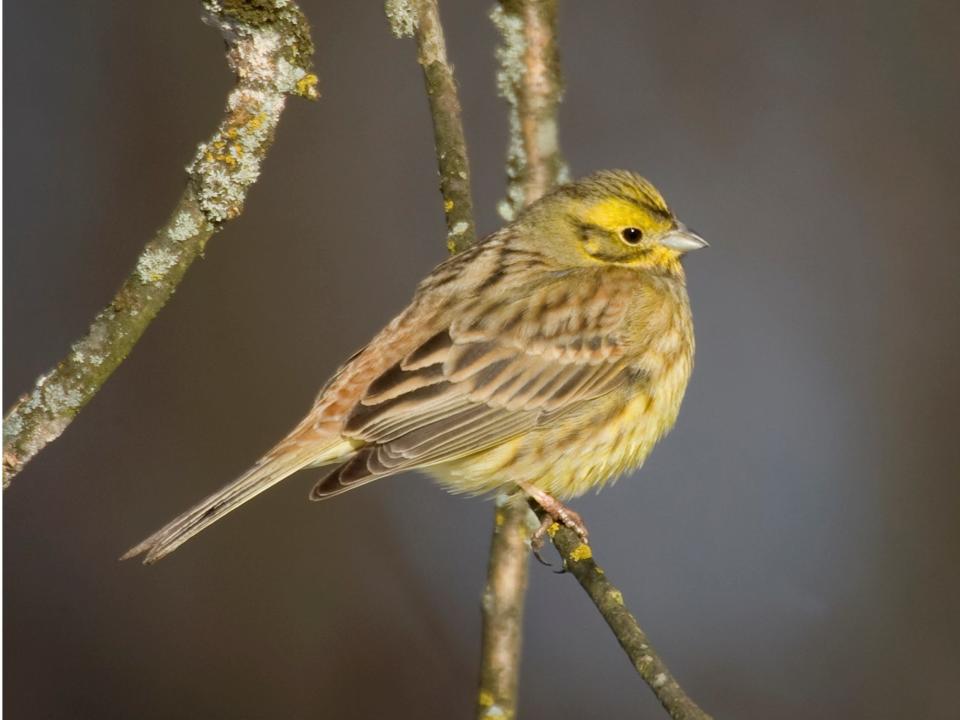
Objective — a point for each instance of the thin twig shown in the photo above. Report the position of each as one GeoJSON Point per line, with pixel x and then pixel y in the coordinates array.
{"type": "Point", "coordinates": [270, 51]}
{"type": "Point", "coordinates": [421, 19]}
{"type": "Point", "coordinates": [578, 559]}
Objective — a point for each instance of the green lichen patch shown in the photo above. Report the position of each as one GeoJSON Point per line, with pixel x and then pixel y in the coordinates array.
{"type": "Point", "coordinates": [155, 263]}
{"type": "Point", "coordinates": [278, 17]}
{"type": "Point", "coordinates": [227, 165]}
{"type": "Point", "coordinates": [509, 56]}
{"type": "Point", "coordinates": [184, 226]}
{"type": "Point", "coordinates": [529, 79]}
{"type": "Point", "coordinates": [270, 51]}
{"type": "Point", "coordinates": [402, 17]}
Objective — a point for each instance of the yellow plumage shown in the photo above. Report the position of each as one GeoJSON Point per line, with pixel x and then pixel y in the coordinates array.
{"type": "Point", "coordinates": [550, 357]}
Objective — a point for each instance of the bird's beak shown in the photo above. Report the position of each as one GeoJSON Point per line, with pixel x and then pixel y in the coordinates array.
{"type": "Point", "coordinates": [683, 240]}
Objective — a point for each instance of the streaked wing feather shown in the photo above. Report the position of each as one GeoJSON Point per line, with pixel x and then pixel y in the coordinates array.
{"type": "Point", "coordinates": [494, 373]}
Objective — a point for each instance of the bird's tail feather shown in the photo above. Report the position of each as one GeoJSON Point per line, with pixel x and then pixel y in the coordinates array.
{"type": "Point", "coordinates": [271, 469]}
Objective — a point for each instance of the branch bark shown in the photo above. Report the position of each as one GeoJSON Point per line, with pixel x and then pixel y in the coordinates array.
{"type": "Point", "coordinates": [270, 51]}
{"type": "Point", "coordinates": [503, 598]}
{"type": "Point", "coordinates": [578, 559]}
{"type": "Point", "coordinates": [529, 79]}
{"type": "Point", "coordinates": [421, 20]}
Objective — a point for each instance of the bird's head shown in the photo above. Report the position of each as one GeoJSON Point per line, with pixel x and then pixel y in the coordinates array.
{"type": "Point", "coordinates": [612, 217]}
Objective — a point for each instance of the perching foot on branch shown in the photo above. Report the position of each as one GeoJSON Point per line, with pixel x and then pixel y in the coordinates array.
{"type": "Point", "coordinates": [555, 511]}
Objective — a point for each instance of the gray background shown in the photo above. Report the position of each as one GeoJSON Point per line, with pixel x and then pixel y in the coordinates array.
{"type": "Point", "coordinates": [791, 548]}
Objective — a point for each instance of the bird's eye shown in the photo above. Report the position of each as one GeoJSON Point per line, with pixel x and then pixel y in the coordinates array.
{"type": "Point", "coordinates": [632, 235]}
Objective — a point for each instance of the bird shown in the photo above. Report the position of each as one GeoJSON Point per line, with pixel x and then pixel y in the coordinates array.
{"type": "Point", "coordinates": [544, 360]}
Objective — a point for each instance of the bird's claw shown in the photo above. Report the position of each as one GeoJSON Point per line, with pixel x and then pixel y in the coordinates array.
{"type": "Point", "coordinates": [555, 513]}
{"type": "Point", "coordinates": [537, 539]}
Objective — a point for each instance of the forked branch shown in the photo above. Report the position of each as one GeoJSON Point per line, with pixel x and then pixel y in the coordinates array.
{"type": "Point", "coordinates": [270, 51]}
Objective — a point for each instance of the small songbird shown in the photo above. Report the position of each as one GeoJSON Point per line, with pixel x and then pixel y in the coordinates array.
{"type": "Point", "coordinates": [547, 358]}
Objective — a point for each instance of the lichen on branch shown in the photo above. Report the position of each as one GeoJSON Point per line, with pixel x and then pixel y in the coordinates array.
{"type": "Point", "coordinates": [402, 17]}
{"type": "Point", "coordinates": [529, 79]}
{"type": "Point", "coordinates": [269, 50]}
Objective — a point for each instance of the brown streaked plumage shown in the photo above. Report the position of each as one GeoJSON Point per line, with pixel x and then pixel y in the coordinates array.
{"type": "Point", "coordinates": [550, 356]}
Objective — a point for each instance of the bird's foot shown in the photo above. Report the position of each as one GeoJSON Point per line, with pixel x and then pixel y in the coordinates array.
{"type": "Point", "coordinates": [556, 512]}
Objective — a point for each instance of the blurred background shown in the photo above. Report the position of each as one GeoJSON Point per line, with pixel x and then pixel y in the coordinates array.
{"type": "Point", "coordinates": [792, 548]}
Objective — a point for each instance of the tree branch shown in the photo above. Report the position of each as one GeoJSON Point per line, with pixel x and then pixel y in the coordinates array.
{"type": "Point", "coordinates": [578, 559]}
{"type": "Point", "coordinates": [529, 80]}
{"type": "Point", "coordinates": [421, 19]}
{"type": "Point", "coordinates": [503, 598]}
{"type": "Point", "coordinates": [269, 49]}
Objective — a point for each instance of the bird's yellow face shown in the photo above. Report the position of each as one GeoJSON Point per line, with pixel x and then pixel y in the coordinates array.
{"type": "Point", "coordinates": [616, 218]}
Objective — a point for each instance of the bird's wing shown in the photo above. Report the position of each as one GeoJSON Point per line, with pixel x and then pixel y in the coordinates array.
{"type": "Point", "coordinates": [496, 371]}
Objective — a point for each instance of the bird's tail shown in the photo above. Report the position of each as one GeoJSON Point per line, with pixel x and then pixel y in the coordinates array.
{"type": "Point", "coordinates": [276, 465]}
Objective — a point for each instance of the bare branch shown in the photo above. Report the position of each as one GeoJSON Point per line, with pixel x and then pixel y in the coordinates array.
{"type": "Point", "coordinates": [270, 51]}
{"type": "Point", "coordinates": [421, 19]}
{"type": "Point", "coordinates": [578, 559]}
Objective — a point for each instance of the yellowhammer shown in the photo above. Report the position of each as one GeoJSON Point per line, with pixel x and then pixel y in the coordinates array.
{"type": "Point", "coordinates": [548, 357]}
